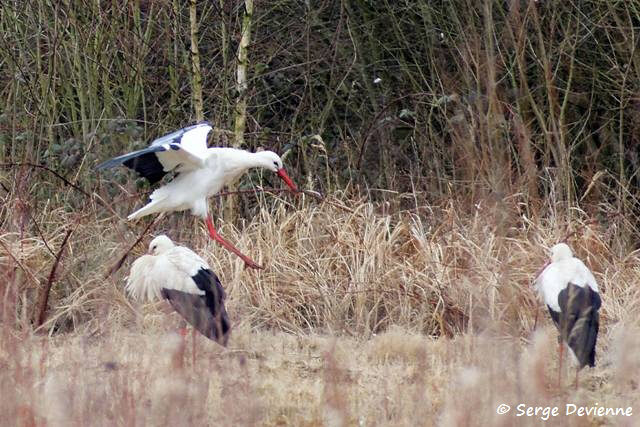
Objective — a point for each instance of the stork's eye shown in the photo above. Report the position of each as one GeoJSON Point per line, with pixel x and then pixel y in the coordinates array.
{"type": "Point", "coordinates": [276, 164]}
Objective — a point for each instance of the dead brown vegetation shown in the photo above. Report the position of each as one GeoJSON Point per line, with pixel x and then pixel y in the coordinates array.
{"type": "Point", "coordinates": [455, 142]}
{"type": "Point", "coordinates": [362, 317]}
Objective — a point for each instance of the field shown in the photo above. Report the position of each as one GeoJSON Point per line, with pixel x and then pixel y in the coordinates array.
{"type": "Point", "coordinates": [361, 317]}
{"type": "Point", "coordinates": [443, 149]}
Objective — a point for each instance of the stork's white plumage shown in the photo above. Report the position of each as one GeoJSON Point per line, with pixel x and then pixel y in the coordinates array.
{"type": "Point", "coordinates": [179, 275]}
{"type": "Point", "coordinates": [201, 173]}
{"type": "Point", "coordinates": [570, 292]}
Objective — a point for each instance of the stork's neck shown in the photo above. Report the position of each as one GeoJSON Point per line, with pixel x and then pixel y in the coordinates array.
{"type": "Point", "coordinates": [255, 160]}
{"type": "Point", "coordinates": [237, 161]}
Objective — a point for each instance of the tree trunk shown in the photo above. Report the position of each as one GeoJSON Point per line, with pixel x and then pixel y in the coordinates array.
{"type": "Point", "coordinates": [196, 76]}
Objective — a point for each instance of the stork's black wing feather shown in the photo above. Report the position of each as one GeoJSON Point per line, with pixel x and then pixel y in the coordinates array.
{"type": "Point", "coordinates": [146, 162]}
{"type": "Point", "coordinates": [555, 316]}
{"type": "Point", "coordinates": [580, 321]}
{"type": "Point", "coordinates": [206, 313]}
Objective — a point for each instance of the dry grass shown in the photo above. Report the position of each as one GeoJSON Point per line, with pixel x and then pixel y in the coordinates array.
{"type": "Point", "coordinates": [519, 118]}
{"type": "Point", "coordinates": [130, 377]}
{"type": "Point", "coordinates": [361, 317]}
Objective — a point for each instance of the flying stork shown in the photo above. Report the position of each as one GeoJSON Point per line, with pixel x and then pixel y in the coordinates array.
{"type": "Point", "coordinates": [179, 275]}
{"type": "Point", "coordinates": [570, 292]}
{"type": "Point", "coordinates": [201, 172]}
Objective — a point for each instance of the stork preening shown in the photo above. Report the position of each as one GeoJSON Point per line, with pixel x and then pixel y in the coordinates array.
{"type": "Point", "coordinates": [180, 276]}
{"type": "Point", "coordinates": [201, 172]}
{"type": "Point", "coordinates": [571, 294]}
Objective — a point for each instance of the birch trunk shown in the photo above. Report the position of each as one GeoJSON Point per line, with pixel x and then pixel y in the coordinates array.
{"type": "Point", "coordinates": [241, 74]}
{"type": "Point", "coordinates": [241, 88]}
{"type": "Point", "coordinates": [195, 64]}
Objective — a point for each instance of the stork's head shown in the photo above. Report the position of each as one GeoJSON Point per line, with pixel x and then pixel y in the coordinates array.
{"type": "Point", "coordinates": [160, 244]}
{"type": "Point", "coordinates": [560, 251]}
{"type": "Point", "coordinates": [273, 162]}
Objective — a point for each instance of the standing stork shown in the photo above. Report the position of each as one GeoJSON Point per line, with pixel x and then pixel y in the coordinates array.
{"type": "Point", "coordinates": [201, 172]}
{"type": "Point", "coordinates": [571, 294]}
{"type": "Point", "coordinates": [179, 275]}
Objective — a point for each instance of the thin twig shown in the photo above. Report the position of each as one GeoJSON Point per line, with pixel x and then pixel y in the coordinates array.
{"type": "Point", "coordinates": [122, 259]}
{"type": "Point", "coordinates": [31, 276]}
{"type": "Point", "coordinates": [44, 296]}
{"type": "Point", "coordinates": [37, 166]}
{"type": "Point", "coordinates": [263, 190]}
{"type": "Point", "coordinates": [313, 194]}
{"type": "Point", "coordinates": [105, 204]}
{"type": "Point", "coordinates": [369, 130]}
{"type": "Point", "coordinates": [63, 179]}
{"type": "Point", "coordinates": [40, 233]}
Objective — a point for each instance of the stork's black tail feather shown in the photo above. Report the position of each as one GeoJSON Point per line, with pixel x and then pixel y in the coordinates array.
{"type": "Point", "coordinates": [580, 321]}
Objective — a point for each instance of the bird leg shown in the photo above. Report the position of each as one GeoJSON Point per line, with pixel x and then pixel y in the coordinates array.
{"type": "Point", "coordinates": [560, 356]}
{"type": "Point", "coordinates": [193, 346]}
{"type": "Point", "coordinates": [248, 262]}
{"type": "Point", "coordinates": [177, 358]}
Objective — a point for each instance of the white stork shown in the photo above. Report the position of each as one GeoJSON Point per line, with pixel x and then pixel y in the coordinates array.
{"type": "Point", "coordinates": [201, 172]}
{"type": "Point", "coordinates": [179, 275]}
{"type": "Point", "coordinates": [571, 294]}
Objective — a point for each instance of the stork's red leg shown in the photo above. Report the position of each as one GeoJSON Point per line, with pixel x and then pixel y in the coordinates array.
{"type": "Point", "coordinates": [193, 346]}
{"type": "Point", "coordinates": [248, 262]}
{"type": "Point", "coordinates": [560, 356]}
{"type": "Point", "coordinates": [177, 358]}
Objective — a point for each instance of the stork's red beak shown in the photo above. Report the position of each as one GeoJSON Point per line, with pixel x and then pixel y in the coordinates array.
{"type": "Point", "coordinates": [283, 174]}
